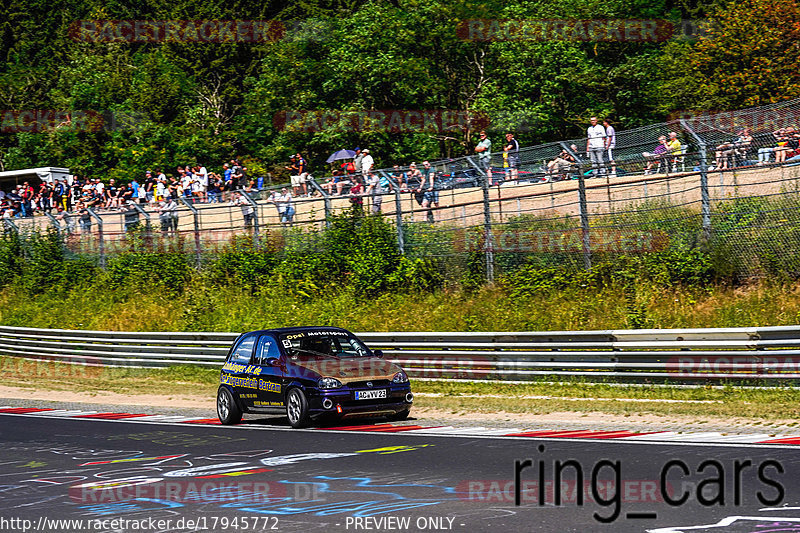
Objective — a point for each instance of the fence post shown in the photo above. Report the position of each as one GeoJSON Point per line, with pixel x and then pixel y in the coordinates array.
{"type": "Point", "coordinates": [101, 239]}
{"type": "Point", "coordinates": [255, 216]}
{"type": "Point", "coordinates": [583, 210]}
{"type": "Point", "coordinates": [195, 218]}
{"type": "Point", "coordinates": [9, 226]}
{"type": "Point", "coordinates": [705, 198]}
{"type": "Point", "coordinates": [148, 228]}
{"type": "Point", "coordinates": [488, 240]}
{"type": "Point", "coordinates": [398, 213]}
{"type": "Point", "coordinates": [54, 222]}
{"type": "Point", "coordinates": [327, 201]}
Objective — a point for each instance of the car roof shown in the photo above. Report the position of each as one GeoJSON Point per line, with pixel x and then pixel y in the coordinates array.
{"type": "Point", "coordinates": [296, 329]}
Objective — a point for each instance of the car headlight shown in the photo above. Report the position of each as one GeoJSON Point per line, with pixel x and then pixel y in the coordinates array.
{"type": "Point", "coordinates": [329, 383]}
{"type": "Point", "coordinates": [400, 377]}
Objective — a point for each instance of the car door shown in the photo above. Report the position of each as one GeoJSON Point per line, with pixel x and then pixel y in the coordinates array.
{"type": "Point", "coordinates": [270, 372]}
{"type": "Point", "coordinates": [238, 371]}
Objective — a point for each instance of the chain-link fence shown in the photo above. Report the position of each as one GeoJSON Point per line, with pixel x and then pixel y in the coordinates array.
{"type": "Point", "coordinates": [727, 183]}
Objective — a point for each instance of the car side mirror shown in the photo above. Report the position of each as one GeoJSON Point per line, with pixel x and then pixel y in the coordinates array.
{"type": "Point", "coordinates": [273, 361]}
{"type": "Point", "coordinates": [378, 353]}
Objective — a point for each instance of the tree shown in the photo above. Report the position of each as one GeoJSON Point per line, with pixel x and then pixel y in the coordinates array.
{"type": "Point", "coordinates": [750, 56]}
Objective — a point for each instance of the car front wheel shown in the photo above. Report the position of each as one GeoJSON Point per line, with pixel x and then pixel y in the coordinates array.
{"type": "Point", "coordinates": [297, 408]}
{"type": "Point", "coordinates": [227, 410]}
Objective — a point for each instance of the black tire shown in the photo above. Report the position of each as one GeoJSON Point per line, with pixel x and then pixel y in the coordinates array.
{"type": "Point", "coordinates": [402, 415]}
{"type": "Point", "coordinates": [297, 409]}
{"type": "Point", "coordinates": [227, 409]}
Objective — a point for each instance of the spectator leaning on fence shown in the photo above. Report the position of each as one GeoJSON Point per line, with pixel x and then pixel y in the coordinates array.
{"type": "Point", "coordinates": [595, 146]}
{"type": "Point", "coordinates": [484, 151]}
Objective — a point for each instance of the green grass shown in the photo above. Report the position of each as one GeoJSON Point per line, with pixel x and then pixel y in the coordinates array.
{"type": "Point", "coordinates": [206, 308]}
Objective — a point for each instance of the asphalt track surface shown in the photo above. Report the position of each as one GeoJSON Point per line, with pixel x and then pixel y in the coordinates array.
{"type": "Point", "coordinates": [113, 476]}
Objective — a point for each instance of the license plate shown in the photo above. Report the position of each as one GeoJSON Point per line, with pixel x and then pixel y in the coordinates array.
{"type": "Point", "coordinates": [370, 394]}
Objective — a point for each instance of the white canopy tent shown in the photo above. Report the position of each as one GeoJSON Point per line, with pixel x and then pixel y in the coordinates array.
{"type": "Point", "coordinates": [12, 178]}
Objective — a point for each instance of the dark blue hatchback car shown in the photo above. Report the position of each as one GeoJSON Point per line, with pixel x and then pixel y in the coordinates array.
{"type": "Point", "coordinates": [310, 373]}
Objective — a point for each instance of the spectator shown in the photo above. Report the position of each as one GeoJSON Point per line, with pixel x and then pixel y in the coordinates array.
{"type": "Point", "coordinates": [595, 146]}
{"type": "Point", "coordinates": [149, 187]}
{"type": "Point", "coordinates": [367, 163]}
{"type": "Point", "coordinates": [414, 176]}
{"type": "Point", "coordinates": [302, 170]}
{"type": "Point", "coordinates": [202, 177]}
{"type": "Point", "coordinates": [511, 156]}
{"type": "Point", "coordinates": [84, 217]}
{"type": "Point", "coordinates": [131, 217]}
{"type": "Point", "coordinates": [215, 185]}
{"type": "Point", "coordinates": [294, 175]}
{"type": "Point", "coordinates": [399, 178]}
{"type": "Point", "coordinates": [338, 180]}
{"type": "Point", "coordinates": [27, 195]}
{"type": "Point", "coordinates": [226, 174]}
{"type": "Point", "coordinates": [430, 190]}
{"type": "Point", "coordinates": [111, 200]}
{"type": "Point", "coordinates": [658, 153]}
{"type": "Point", "coordinates": [375, 189]}
{"type": "Point", "coordinates": [727, 151]}
{"type": "Point", "coordinates": [611, 143]}
{"type": "Point", "coordinates": [764, 154]}
{"type": "Point", "coordinates": [248, 212]}
{"type": "Point", "coordinates": [557, 168]}
{"type": "Point", "coordinates": [787, 143]}
{"type": "Point", "coordinates": [285, 207]}
{"type": "Point", "coordinates": [356, 193]}
{"type": "Point", "coordinates": [168, 216]}
{"type": "Point", "coordinates": [357, 159]}
{"type": "Point", "coordinates": [484, 151]}
{"type": "Point", "coordinates": [135, 191]}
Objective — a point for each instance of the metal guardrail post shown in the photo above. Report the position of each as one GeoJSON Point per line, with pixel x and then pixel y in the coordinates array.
{"type": "Point", "coordinates": [148, 226]}
{"type": "Point", "coordinates": [326, 199]}
{"type": "Point", "coordinates": [255, 216]}
{"type": "Point", "coordinates": [586, 246]}
{"type": "Point", "coordinates": [100, 236]}
{"type": "Point", "coordinates": [488, 238]}
{"type": "Point", "coordinates": [398, 213]}
{"type": "Point", "coordinates": [54, 222]}
{"type": "Point", "coordinates": [9, 225]}
{"type": "Point", "coordinates": [705, 198]}
{"type": "Point", "coordinates": [196, 219]}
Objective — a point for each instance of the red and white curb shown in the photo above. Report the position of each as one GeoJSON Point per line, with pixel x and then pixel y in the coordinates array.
{"type": "Point", "coordinates": [661, 437]}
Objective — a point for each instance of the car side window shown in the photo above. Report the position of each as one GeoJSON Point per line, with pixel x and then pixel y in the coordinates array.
{"type": "Point", "coordinates": [243, 351]}
{"type": "Point", "coordinates": [267, 347]}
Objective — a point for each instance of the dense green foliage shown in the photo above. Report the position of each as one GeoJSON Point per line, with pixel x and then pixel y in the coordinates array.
{"type": "Point", "coordinates": [207, 102]}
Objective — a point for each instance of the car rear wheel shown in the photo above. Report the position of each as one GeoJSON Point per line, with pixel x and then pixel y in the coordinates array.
{"type": "Point", "coordinates": [297, 408]}
{"type": "Point", "coordinates": [227, 410]}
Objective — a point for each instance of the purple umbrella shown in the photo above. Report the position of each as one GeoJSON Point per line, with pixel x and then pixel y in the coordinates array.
{"type": "Point", "coordinates": [341, 154]}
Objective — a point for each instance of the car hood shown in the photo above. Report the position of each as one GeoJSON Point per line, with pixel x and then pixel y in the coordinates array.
{"type": "Point", "coordinates": [348, 370]}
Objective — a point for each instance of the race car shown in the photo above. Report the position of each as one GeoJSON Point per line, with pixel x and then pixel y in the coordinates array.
{"type": "Point", "coordinates": [307, 374]}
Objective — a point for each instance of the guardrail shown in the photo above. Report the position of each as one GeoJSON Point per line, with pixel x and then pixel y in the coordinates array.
{"type": "Point", "coordinates": [769, 353]}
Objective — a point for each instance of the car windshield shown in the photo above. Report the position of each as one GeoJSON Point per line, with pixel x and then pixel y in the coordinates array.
{"type": "Point", "coordinates": [323, 344]}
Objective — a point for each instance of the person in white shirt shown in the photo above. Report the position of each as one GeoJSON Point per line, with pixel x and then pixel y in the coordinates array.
{"type": "Point", "coordinates": [366, 164]}
{"type": "Point", "coordinates": [595, 146]}
{"type": "Point", "coordinates": [611, 143]}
